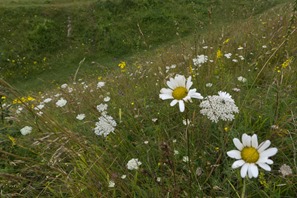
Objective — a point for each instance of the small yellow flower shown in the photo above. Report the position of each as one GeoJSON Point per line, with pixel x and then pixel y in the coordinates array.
{"type": "Point", "coordinates": [30, 98]}
{"type": "Point", "coordinates": [12, 139]}
{"type": "Point", "coordinates": [219, 54]}
{"type": "Point", "coordinates": [226, 129]}
{"type": "Point", "coordinates": [287, 62]}
{"type": "Point", "coordinates": [35, 62]}
{"type": "Point", "coordinates": [122, 64]}
{"type": "Point", "coordinates": [226, 41]}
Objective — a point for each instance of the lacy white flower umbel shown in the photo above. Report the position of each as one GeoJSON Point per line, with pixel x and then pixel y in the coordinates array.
{"type": "Point", "coordinates": [133, 164]}
{"type": "Point", "coordinates": [61, 103]}
{"type": "Point", "coordinates": [26, 130]}
{"type": "Point", "coordinates": [220, 106]}
{"type": "Point", "coordinates": [179, 90]}
{"type": "Point", "coordinates": [250, 154]}
{"type": "Point", "coordinates": [105, 125]}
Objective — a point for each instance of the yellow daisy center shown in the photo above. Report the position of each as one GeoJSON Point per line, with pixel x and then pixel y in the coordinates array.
{"type": "Point", "coordinates": [250, 154]}
{"type": "Point", "coordinates": [179, 93]}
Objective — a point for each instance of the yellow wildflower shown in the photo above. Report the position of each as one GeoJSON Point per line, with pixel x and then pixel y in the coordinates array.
{"type": "Point", "coordinates": [226, 129]}
{"type": "Point", "coordinates": [30, 98]}
{"type": "Point", "coordinates": [12, 139]}
{"type": "Point", "coordinates": [287, 62]}
{"type": "Point", "coordinates": [226, 41]}
{"type": "Point", "coordinates": [122, 64]}
{"type": "Point", "coordinates": [219, 54]}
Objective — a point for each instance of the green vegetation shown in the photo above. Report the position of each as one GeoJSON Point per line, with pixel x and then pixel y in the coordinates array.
{"type": "Point", "coordinates": [42, 37]}
{"type": "Point", "coordinates": [244, 48]}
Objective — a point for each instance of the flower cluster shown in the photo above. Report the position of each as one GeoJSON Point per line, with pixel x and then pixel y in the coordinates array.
{"type": "Point", "coordinates": [133, 164]}
{"type": "Point", "coordinates": [26, 130]}
{"type": "Point", "coordinates": [220, 106]}
{"type": "Point", "coordinates": [105, 125]}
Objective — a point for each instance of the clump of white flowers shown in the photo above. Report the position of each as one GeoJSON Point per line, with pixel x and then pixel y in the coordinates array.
{"type": "Point", "coordinates": [81, 116]}
{"type": "Point", "coordinates": [105, 125]}
{"type": "Point", "coordinates": [26, 130]}
{"type": "Point", "coordinates": [220, 106]}
{"type": "Point", "coordinates": [200, 59]}
{"type": "Point", "coordinates": [133, 164]}
{"type": "Point", "coordinates": [61, 103]}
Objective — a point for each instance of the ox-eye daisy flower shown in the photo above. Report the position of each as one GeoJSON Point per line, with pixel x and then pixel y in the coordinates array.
{"type": "Point", "coordinates": [250, 154]}
{"type": "Point", "coordinates": [179, 90]}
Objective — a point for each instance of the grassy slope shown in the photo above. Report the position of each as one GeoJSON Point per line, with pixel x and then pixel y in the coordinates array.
{"type": "Point", "coordinates": [71, 162]}
{"type": "Point", "coordinates": [44, 30]}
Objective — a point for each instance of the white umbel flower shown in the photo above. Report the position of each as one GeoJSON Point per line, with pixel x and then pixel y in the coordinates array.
{"type": "Point", "coordinates": [81, 116]}
{"type": "Point", "coordinates": [200, 59]}
{"type": "Point", "coordinates": [105, 125]}
{"type": "Point", "coordinates": [133, 164]}
{"type": "Point", "coordinates": [179, 90]}
{"type": "Point", "coordinates": [250, 154]}
{"type": "Point", "coordinates": [26, 130]}
{"type": "Point", "coordinates": [220, 106]}
{"type": "Point", "coordinates": [61, 103]}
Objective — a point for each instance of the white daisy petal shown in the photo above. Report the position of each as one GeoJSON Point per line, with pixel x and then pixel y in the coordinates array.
{"type": "Point", "coordinates": [250, 173]}
{"type": "Point", "coordinates": [254, 169]}
{"type": "Point", "coordinates": [181, 106]}
{"type": "Point", "coordinates": [246, 140]}
{"type": "Point", "coordinates": [234, 154]}
{"type": "Point", "coordinates": [263, 146]}
{"type": "Point", "coordinates": [166, 91]}
{"type": "Point", "coordinates": [189, 82]}
{"type": "Point", "coordinates": [269, 161]}
{"type": "Point", "coordinates": [244, 170]}
{"type": "Point", "coordinates": [173, 102]}
{"type": "Point", "coordinates": [238, 144]}
{"type": "Point", "coordinates": [268, 153]}
{"type": "Point", "coordinates": [238, 164]}
{"type": "Point", "coordinates": [264, 166]}
{"type": "Point", "coordinates": [255, 141]}
{"type": "Point", "coordinates": [181, 80]}
{"type": "Point", "coordinates": [193, 94]}
{"type": "Point", "coordinates": [171, 84]}
{"type": "Point", "coordinates": [165, 96]}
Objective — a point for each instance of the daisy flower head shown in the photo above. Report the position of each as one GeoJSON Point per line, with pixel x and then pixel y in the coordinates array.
{"type": "Point", "coordinates": [220, 106]}
{"type": "Point", "coordinates": [179, 90]}
{"type": "Point", "coordinates": [250, 154]}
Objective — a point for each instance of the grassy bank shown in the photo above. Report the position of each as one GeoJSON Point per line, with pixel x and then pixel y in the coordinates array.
{"type": "Point", "coordinates": [78, 138]}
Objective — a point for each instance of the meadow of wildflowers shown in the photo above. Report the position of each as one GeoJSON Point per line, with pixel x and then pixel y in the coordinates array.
{"type": "Point", "coordinates": [213, 117]}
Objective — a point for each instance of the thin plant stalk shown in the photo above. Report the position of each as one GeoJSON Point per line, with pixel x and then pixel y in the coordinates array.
{"type": "Point", "coordinates": [189, 153]}
{"type": "Point", "coordinates": [243, 189]}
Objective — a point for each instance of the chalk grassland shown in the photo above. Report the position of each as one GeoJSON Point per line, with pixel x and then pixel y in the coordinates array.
{"type": "Point", "coordinates": [77, 137]}
{"type": "Point", "coordinates": [41, 37]}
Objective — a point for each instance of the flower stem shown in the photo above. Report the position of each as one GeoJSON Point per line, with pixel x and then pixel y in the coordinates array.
{"type": "Point", "coordinates": [189, 154]}
{"type": "Point", "coordinates": [243, 189]}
